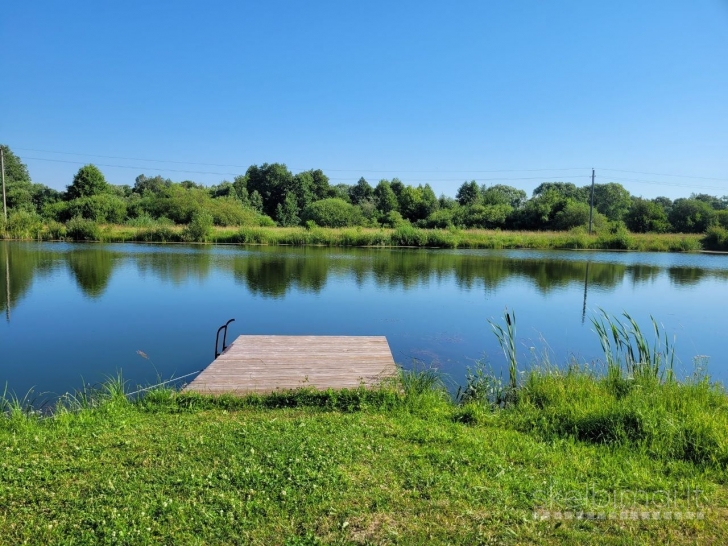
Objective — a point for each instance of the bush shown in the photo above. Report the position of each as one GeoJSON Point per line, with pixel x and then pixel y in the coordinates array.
{"type": "Point", "coordinates": [199, 228]}
{"type": "Point", "coordinates": [55, 231]}
{"type": "Point", "coordinates": [81, 229]}
{"type": "Point", "coordinates": [23, 224]}
{"type": "Point", "coordinates": [617, 237]}
{"type": "Point", "coordinates": [393, 219]}
{"type": "Point", "coordinates": [409, 236]}
{"type": "Point", "coordinates": [482, 216]}
{"type": "Point", "coordinates": [441, 219]}
{"type": "Point", "coordinates": [104, 208]}
{"type": "Point", "coordinates": [716, 238]}
{"type": "Point", "coordinates": [265, 221]}
{"type": "Point", "coordinates": [141, 221]}
{"type": "Point", "coordinates": [57, 211]}
{"type": "Point", "coordinates": [158, 234]}
{"type": "Point", "coordinates": [333, 212]}
{"type": "Point", "coordinates": [228, 211]}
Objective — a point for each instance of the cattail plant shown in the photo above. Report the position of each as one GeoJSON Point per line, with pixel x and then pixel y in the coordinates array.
{"type": "Point", "coordinates": [507, 341]}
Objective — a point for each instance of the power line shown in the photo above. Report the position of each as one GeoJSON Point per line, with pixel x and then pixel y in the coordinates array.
{"type": "Point", "coordinates": [132, 167]}
{"type": "Point", "coordinates": [661, 183]}
{"type": "Point", "coordinates": [423, 180]}
{"type": "Point", "coordinates": [664, 174]}
{"type": "Point", "coordinates": [328, 170]}
{"type": "Point", "coordinates": [142, 168]}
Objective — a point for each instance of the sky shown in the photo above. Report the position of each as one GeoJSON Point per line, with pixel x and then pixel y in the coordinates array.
{"type": "Point", "coordinates": [513, 92]}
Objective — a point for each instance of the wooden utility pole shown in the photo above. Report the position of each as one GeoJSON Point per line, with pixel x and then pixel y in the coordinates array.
{"type": "Point", "coordinates": [2, 168]}
{"type": "Point", "coordinates": [591, 206]}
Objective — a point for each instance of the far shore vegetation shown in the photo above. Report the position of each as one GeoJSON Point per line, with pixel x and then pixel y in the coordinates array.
{"type": "Point", "coordinates": [621, 452]}
{"type": "Point", "coordinates": [269, 204]}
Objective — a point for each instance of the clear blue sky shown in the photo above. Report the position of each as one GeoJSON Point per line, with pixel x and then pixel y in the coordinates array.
{"type": "Point", "coordinates": [437, 92]}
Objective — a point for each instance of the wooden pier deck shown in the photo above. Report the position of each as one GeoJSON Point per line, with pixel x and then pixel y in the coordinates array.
{"type": "Point", "coordinates": [263, 364]}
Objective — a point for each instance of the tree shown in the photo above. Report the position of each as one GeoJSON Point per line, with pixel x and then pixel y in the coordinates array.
{"type": "Point", "coordinates": [428, 201]}
{"type": "Point", "coordinates": [240, 184]}
{"type": "Point", "coordinates": [256, 202]}
{"type": "Point", "coordinates": [360, 192]}
{"type": "Point", "coordinates": [340, 191]}
{"type": "Point", "coordinates": [287, 212]}
{"type": "Point", "coordinates": [691, 216]}
{"type": "Point", "coordinates": [612, 200]}
{"type": "Point", "coordinates": [89, 181]}
{"type": "Point", "coordinates": [483, 216]}
{"type": "Point", "coordinates": [645, 216]}
{"type": "Point", "coordinates": [500, 194]}
{"type": "Point", "coordinates": [223, 189]}
{"type": "Point", "coordinates": [384, 197]}
{"type": "Point", "coordinates": [467, 193]}
{"type": "Point", "coordinates": [446, 202]}
{"type": "Point", "coordinates": [153, 185]}
{"type": "Point", "coordinates": [15, 170]}
{"type": "Point", "coordinates": [302, 187]}
{"type": "Point", "coordinates": [319, 184]}
{"type": "Point", "coordinates": [272, 181]}
{"type": "Point", "coordinates": [540, 211]}
{"type": "Point", "coordinates": [19, 190]}
{"type": "Point", "coordinates": [572, 215]}
{"type": "Point", "coordinates": [566, 190]}
{"type": "Point", "coordinates": [717, 203]}
{"type": "Point", "coordinates": [397, 186]}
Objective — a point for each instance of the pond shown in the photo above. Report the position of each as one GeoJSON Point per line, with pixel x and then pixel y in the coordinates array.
{"type": "Point", "coordinates": [77, 313]}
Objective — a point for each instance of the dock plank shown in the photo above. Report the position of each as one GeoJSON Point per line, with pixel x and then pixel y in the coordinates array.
{"type": "Point", "coordinates": [263, 364]}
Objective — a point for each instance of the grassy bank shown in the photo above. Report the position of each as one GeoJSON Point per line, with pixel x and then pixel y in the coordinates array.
{"type": "Point", "coordinates": [404, 236]}
{"type": "Point", "coordinates": [374, 467]}
{"type": "Point", "coordinates": [621, 455]}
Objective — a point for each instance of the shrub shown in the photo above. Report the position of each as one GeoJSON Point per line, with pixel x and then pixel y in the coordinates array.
{"type": "Point", "coordinates": [81, 229]}
{"type": "Point", "coordinates": [408, 236]}
{"type": "Point", "coordinates": [442, 219]}
{"type": "Point", "coordinates": [158, 234]}
{"type": "Point", "coordinates": [102, 208]}
{"type": "Point", "coordinates": [55, 231]}
{"type": "Point", "coordinates": [199, 228]}
{"type": "Point", "coordinates": [393, 219]}
{"type": "Point", "coordinates": [142, 221]}
{"type": "Point", "coordinates": [228, 211]}
{"type": "Point", "coordinates": [23, 224]}
{"type": "Point", "coordinates": [716, 238]}
{"type": "Point", "coordinates": [332, 212]}
{"type": "Point", "coordinates": [57, 211]}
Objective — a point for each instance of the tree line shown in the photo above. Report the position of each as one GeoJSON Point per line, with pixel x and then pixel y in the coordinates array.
{"type": "Point", "coordinates": [270, 194]}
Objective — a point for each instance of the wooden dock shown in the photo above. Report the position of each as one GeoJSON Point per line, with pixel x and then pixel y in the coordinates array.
{"type": "Point", "coordinates": [264, 364]}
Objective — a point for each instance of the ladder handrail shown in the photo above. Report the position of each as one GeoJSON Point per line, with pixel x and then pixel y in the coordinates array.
{"type": "Point", "coordinates": [224, 337]}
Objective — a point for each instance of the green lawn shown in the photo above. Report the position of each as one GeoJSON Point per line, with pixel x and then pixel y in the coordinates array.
{"type": "Point", "coordinates": [389, 466]}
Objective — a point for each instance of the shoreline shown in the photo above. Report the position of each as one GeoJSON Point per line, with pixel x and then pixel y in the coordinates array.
{"type": "Point", "coordinates": [408, 237]}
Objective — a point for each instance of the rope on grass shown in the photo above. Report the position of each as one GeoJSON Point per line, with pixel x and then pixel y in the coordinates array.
{"type": "Point", "coordinates": [163, 383]}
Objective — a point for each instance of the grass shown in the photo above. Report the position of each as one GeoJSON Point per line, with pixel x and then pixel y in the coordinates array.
{"type": "Point", "coordinates": [383, 237]}
{"type": "Point", "coordinates": [402, 464]}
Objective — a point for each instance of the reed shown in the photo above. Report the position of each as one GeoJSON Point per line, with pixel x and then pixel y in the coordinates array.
{"type": "Point", "coordinates": [626, 347]}
{"type": "Point", "coordinates": [507, 341]}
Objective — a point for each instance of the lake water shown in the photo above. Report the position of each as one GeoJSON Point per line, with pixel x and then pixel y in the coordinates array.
{"type": "Point", "coordinates": [74, 313]}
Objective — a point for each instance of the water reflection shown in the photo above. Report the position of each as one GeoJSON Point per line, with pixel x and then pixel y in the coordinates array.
{"type": "Point", "coordinates": [273, 272]}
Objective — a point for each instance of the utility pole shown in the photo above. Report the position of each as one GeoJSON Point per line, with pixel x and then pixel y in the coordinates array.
{"type": "Point", "coordinates": [2, 167]}
{"type": "Point", "coordinates": [591, 206]}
